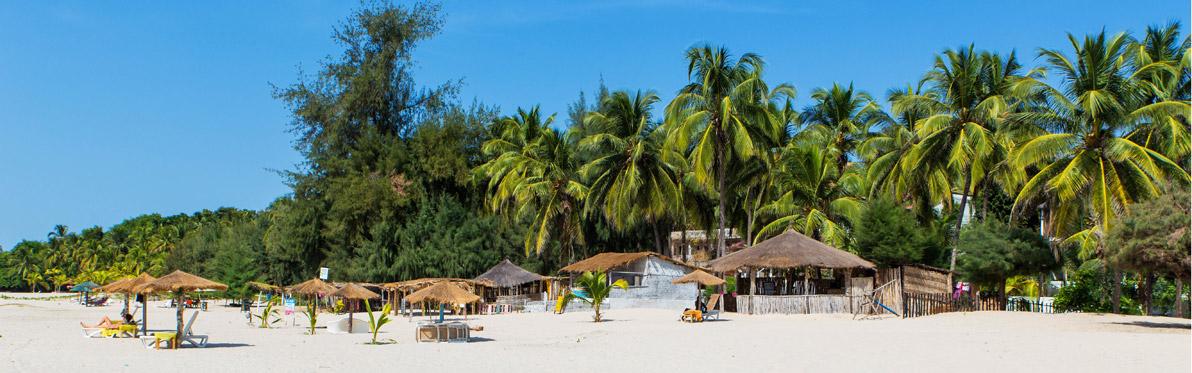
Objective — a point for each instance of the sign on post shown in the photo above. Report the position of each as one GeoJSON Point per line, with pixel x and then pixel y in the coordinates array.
{"type": "Point", "coordinates": [323, 273]}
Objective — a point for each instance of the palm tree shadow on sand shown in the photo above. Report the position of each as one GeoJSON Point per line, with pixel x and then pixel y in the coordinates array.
{"type": "Point", "coordinates": [1160, 325]}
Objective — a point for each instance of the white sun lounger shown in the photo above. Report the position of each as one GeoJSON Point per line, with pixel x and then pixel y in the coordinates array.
{"type": "Point", "coordinates": [188, 337]}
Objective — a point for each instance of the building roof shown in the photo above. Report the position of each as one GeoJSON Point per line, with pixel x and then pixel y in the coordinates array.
{"type": "Point", "coordinates": [507, 274]}
{"type": "Point", "coordinates": [605, 261]}
{"type": "Point", "coordinates": [789, 250]}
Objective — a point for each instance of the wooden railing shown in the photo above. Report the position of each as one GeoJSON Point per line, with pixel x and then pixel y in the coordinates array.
{"type": "Point", "coordinates": [923, 304]}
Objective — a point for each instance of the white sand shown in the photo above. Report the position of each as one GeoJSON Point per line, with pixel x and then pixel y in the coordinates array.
{"type": "Point", "coordinates": [42, 336]}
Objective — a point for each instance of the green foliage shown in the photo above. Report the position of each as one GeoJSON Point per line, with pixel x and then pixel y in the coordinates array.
{"type": "Point", "coordinates": [597, 287]}
{"type": "Point", "coordinates": [312, 315]}
{"type": "Point", "coordinates": [993, 252]}
{"type": "Point", "coordinates": [376, 322]}
{"type": "Point", "coordinates": [887, 234]}
{"type": "Point", "coordinates": [1154, 237]}
{"type": "Point", "coordinates": [1083, 293]}
{"type": "Point", "coordinates": [269, 315]}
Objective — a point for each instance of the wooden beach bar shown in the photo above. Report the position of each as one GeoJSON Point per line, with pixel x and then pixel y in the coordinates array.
{"type": "Point", "coordinates": [795, 274]}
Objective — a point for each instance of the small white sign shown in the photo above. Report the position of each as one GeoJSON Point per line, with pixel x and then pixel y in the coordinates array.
{"type": "Point", "coordinates": [323, 273]}
{"type": "Point", "coordinates": [289, 306]}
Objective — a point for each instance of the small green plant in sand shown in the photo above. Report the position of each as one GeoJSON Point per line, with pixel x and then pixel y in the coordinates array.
{"type": "Point", "coordinates": [596, 285]}
{"type": "Point", "coordinates": [268, 314]}
{"type": "Point", "coordinates": [312, 314]}
{"type": "Point", "coordinates": [375, 323]}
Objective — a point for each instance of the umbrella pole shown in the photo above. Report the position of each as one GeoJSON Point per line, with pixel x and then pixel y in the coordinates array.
{"type": "Point", "coordinates": [178, 337]}
{"type": "Point", "coordinates": [144, 312]}
{"type": "Point", "coordinates": [349, 322]}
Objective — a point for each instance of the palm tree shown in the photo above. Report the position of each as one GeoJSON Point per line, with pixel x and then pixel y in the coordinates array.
{"type": "Point", "coordinates": [24, 262]}
{"type": "Point", "coordinates": [513, 138]}
{"type": "Point", "coordinates": [971, 94]}
{"type": "Point", "coordinates": [634, 176]}
{"type": "Point", "coordinates": [1085, 160]}
{"type": "Point", "coordinates": [839, 119]}
{"type": "Point", "coordinates": [819, 202]}
{"type": "Point", "coordinates": [887, 155]}
{"type": "Point", "coordinates": [717, 117]}
{"type": "Point", "coordinates": [597, 288]}
{"type": "Point", "coordinates": [1161, 66]}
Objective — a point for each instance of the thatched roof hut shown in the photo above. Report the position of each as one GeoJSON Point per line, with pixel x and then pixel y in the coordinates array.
{"type": "Point", "coordinates": [411, 286]}
{"type": "Point", "coordinates": [507, 274]}
{"type": "Point", "coordinates": [313, 286]}
{"type": "Point", "coordinates": [789, 250]}
{"type": "Point", "coordinates": [128, 285]}
{"type": "Point", "coordinates": [699, 277]}
{"type": "Point", "coordinates": [605, 261]}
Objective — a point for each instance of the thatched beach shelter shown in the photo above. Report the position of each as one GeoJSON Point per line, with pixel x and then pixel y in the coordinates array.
{"type": "Point", "coordinates": [399, 290]}
{"type": "Point", "coordinates": [179, 283]}
{"type": "Point", "coordinates": [700, 277]}
{"type": "Point", "coordinates": [353, 291]}
{"type": "Point", "coordinates": [442, 293]}
{"type": "Point", "coordinates": [782, 257]}
{"type": "Point", "coordinates": [510, 280]}
{"type": "Point", "coordinates": [649, 275]}
{"type": "Point", "coordinates": [313, 287]}
{"type": "Point", "coordinates": [128, 287]}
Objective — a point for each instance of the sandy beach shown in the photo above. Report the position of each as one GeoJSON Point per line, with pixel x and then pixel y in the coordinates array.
{"type": "Point", "coordinates": [44, 335]}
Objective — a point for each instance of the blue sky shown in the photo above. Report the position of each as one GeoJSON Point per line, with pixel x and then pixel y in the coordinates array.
{"type": "Point", "coordinates": [114, 109]}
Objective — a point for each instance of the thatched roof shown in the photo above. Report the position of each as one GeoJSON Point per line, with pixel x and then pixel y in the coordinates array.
{"type": "Point", "coordinates": [313, 286]}
{"type": "Point", "coordinates": [179, 281]}
{"type": "Point", "coordinates": [507, 274]}
{"type": "Point", "coordinates": [264, 287]}
{"type": "Point", "coordinates": [353, 291]}
{"type": "Point", "coordinates": [606, 261]}
{"type": "Point", "coordinates": [410, 286]}
{"type": "Point", "coordinates": [789, 250]}
{"type": "Point", "coordinates": [699, 277]}
{"type": "Point", "coordinates": [443, 292]}
{"type": "Point", "coordinates": [128, 285]}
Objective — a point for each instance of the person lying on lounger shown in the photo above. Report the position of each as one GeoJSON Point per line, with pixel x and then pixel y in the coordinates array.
{"type": "Point", "coordinates": [107, 323]}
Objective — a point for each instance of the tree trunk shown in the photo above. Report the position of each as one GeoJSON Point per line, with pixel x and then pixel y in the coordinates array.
{"type": "Point", "coordinates": [968, 179]}
{"type": "Point", "coordinates": [657, 241]}
{"type": "Point", "coordinates": [1148, 282]}
{"type": "Point", "coordinates": [749, 223]}
{"type": "Point", "coordinates": [180, 299]}
{"type": "Point", "coordinates": [752, 281]}
{"type": "Point", "coordinates": [1179, 297]}
{"type": "Point", "coordinates": [686, 250]}
{"type": "Point", "coordinates": [1117, 290]}
{"type": "Point", "coordinates": [720, 175]}
{"type": "Point", "coordinates": [1001, 295]}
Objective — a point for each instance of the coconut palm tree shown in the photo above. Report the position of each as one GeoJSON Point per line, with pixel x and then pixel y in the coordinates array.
{"type": "Point", "coordinates": [839, 119]}
{"type": "Point", "coordinates": [1084, 160]}
{"type": "Point", "coordinates": [971, 93]}
{"type": "Point", "coordinates": [596, 287]}
{"type": "Point", "coordinates": [717, 117]}
{"type": "Point", "coordinates": [513, 138]}
{"type": "Point", "coordinates": [887, 155]}
{"type": "Point", "coordinates": [634, 176]}
{"type": "Point", "coordinates": [1161, 67]}
{"type": "Point", "coordinates": [819, 202]}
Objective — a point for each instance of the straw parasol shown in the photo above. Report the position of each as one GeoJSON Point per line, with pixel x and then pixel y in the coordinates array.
{"type": "Point", "coordinates": [128, 286]}
{"type": "Point", "coordinates": [443, 292]}
{"type": "Point", "coordinates": [179, 283]}
{"type": "Point", "coordinates": [353, 291]}
{"type": "Point", "coordinates": [506, 274]}
{"type": "Point", "coordinates": [314, 287]}
{"type": "Point", "coordinates": [699, 277]}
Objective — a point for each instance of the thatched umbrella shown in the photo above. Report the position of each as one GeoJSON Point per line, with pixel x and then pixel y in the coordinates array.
{"type": "Point", "coordinates": [129, 286]}
{"type": "Point", "coordinates": [179, 283]}
{"type": "Point", "coordinates": [699, 277]}
{"type": "Point", "coordinates": [314, 286]}
{"type": "Point", "coordinates": [443, 292]}
{"type": "Point", "coordinates": [353, 291]}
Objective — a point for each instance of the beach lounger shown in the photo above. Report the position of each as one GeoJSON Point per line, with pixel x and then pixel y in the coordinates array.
{"type": "Point", "coordinates": [713, 311]}
{"type": "Point", "coordinates": [97, 302]}
{"type": "Point", "coordinates": [442, 332]}
{"type": "Point", "coordinates": [154, 341]}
